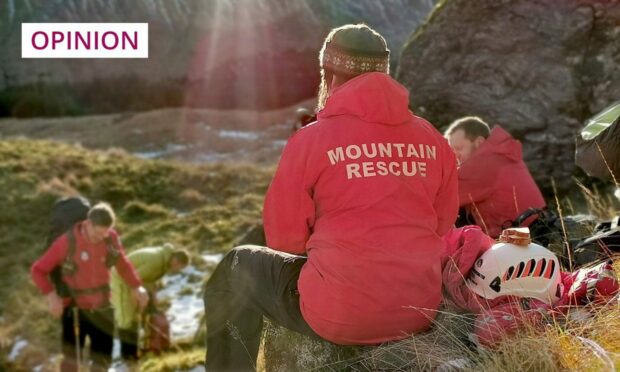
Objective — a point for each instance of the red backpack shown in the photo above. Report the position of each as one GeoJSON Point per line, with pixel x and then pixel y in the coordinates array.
{"type": "Point", "coordinates": [158, 333]}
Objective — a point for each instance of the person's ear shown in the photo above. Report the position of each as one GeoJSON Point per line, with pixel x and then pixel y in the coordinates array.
{"type": "Point", "coordinates": [479, 141]}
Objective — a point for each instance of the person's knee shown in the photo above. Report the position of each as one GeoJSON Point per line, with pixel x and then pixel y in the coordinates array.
{"type": "Point", "coordinates": [235, 260]}
{"type": "Point", "coordinates": [232, 270]}
{"type": "Point", "coordinates": [243, 253]}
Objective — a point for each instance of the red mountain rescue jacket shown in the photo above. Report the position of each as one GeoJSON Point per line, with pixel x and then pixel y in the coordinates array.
{"type": "Point", "coordinates": [92, 275]}
{"type": "Point", "coordinates": [495, 185]}
{"type": "Point", "coordinates": [366, 192]}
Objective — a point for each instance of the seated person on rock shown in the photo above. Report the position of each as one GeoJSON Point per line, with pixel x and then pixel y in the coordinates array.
{"type": "Point", "coordinates": [151, 264]}
{"type": "Point", "coordinates": [353, 218]}
{"type": "Point", "coordinates": [495, 186]}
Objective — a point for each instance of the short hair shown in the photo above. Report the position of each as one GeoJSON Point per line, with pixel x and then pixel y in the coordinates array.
{"type": "Point", "coordinates": [102, 215]}
{"type": "Point", "coordinates": [181, 255]}
{"type": "Point", "coordinates": [472, 126]}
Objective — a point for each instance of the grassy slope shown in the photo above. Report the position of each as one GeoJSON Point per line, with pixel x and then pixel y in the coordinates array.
{"type": "Point", "coordinates": [201, 208]}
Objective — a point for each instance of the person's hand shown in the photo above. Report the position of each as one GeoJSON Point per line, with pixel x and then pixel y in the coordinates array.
{"type": "Point", "coordinates": [54, 304]}
{"type": "Point", "coordinates": [141, 296]}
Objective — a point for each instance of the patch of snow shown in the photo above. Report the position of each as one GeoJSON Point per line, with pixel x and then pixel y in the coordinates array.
{"type": "Point", "coordinates": [170, 149]}
{"type": "Point", "coordinates": [617, 193]}
{"type": "Point", "coordinates": [116, 349]}
{"type": "Point", "coordinates": [212, 158]}
{"type": "Point", "coordinates": [185, 309]}
{"type": "Point", "coordinates": [17, 348]}
{"type": "Point", "coordinates": [237, 134]}
{"type": "Point", "coordinates": [212, 258]}
{"type": "Point", "coordinates": [119, 366]}
{"type": "Point", "coordinates": [175, 147]}
{"type": "Point", "coordinates": [149, 155]}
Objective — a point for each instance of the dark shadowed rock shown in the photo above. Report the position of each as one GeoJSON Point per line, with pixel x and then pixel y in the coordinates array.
{"type": "Point", "coordinates": [248, 54]}
{"type": "Point", "coordinates": [536, 67]}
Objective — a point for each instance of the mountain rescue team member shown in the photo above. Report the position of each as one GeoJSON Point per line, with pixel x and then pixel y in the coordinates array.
{"type": "Point", "coordinates": [151, 264]}
{"type": "Point", "coordinates": [87, 275]}
{"type": "Point", "coordinates": [366, 192]}
{"type": "Point", "coordinates": [495, 186]}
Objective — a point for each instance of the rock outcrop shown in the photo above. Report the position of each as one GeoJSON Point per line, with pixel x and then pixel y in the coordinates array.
{"type": "Point", "coordinates": [435, 350]}
{"type": "Point", "coordinates": [537, 68]}
{"type": "Point", "coordinates": [246, 54]}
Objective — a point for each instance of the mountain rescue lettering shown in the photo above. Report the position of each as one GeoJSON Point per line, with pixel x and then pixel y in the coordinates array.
{"type": "Point", "coordinates": [404, 167]}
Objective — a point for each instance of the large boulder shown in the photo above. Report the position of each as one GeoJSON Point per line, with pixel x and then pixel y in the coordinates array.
{"type": "Point", "coordinates": [445, 344]}
{"type": "Point", "coordinates": [246, 54]}
{"type": "Point", "coordinates": [537, 68]}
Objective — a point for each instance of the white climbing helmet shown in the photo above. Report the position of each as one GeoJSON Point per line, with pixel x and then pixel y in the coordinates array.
{"type": "Point", "coordinates": [523, 269]}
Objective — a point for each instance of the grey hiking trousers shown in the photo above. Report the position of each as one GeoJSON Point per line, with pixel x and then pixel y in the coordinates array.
{"type": "Point", "coordinates": [250, 282]}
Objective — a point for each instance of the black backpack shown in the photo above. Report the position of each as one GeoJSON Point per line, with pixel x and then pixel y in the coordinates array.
{"type": "Point", "coordinates": [553, 232]}
{"type": "Point", "coordinates": [66, 212]}
{"type": "Point", "coordinates": [602, 244]}
{"type": "Point", "coordinates": [545, 229]}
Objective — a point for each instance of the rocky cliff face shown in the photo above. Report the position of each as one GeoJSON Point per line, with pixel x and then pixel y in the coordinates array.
{"type": "Point", "coordinates": [536, 67]}
{"type": "Point", "coordinates": [248, 54]}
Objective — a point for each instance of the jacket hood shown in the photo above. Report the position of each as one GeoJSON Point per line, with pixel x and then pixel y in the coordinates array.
{"type": "Point", "coordinates": [167, 254]}
{"type": "Point", "coordinates": [501, 142]}
{"type": "Point", "coordinates": [373, 97]}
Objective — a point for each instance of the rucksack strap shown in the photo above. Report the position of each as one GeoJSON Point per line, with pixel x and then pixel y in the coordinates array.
{"type": "Point", "coordinates": [112, 254]}
{"type": "Point", "coordinates": [539, 212]}
{"type": "Point", "coordinates": [72, 244]}
{"type": "Point", "coordinates": [69, 266]}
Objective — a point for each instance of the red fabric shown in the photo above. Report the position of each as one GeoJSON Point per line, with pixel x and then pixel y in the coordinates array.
{"type": "Point", "coordinates": [373, 239]}
{"type": "Point", "coordinates": [91, 273]}
{"type": "Point", "coordinates": [595, 284]}
{"type": "Point", "coordinates": [495, 185]}
{"type": "Point", "coordinates": [159, 333]}
{"type": "Point", "coordinates": [506, 315]}
{"type": "Point", "coordinates": [506, 318]}
{"type": "Point", "coordinates": [463, 247]}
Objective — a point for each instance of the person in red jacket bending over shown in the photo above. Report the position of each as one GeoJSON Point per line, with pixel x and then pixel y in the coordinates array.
{"type": "Point", "coordinates": [86, 253]}
{"type": "Point", "coordinates": [353, 218]}
{"type": "Point", "coordinates": [495, 186]}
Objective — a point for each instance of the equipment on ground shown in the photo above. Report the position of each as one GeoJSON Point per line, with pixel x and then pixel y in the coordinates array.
{"type": "Point", "coordinates": [510, 269]}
